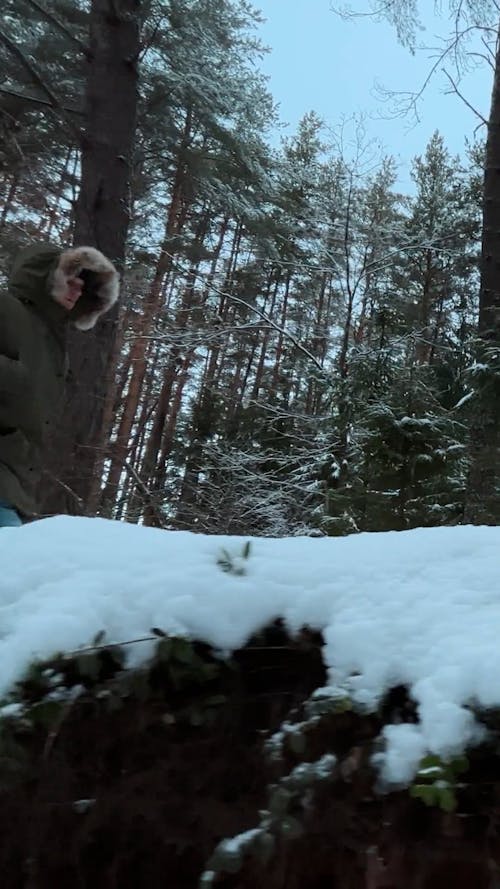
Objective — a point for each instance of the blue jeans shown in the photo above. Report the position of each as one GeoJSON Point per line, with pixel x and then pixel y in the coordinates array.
{"type": "Point", "coordinates": [9, 518]}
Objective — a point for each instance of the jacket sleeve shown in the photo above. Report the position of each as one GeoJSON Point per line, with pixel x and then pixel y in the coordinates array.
{"type": "Point", "coordinates": [18, 409]}
{"type": "Point", "coordinates": [17, 406]}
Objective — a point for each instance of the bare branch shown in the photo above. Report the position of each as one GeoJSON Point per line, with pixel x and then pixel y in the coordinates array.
{"type": "Point", "coordinates": [453, 46]}
{"type": "Point", "coordinates": [461, 96]}
{"type": "Point", "coordinates": [148, 496]}
{"type": "Point", "coordinates": [243, 302]}
{"type": "Point", "coordinates": [107, 645]}
{"type": "Point", "coordinates": [57, 481]}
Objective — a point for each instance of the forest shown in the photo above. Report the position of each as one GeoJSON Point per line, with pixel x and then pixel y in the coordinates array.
{"type": "Point", "coordinates": [303, 350]}
{"type": "Point", "coordinates": [298, 347]}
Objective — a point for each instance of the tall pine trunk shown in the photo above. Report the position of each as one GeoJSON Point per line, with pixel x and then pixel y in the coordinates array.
{"type": "Point", "coordinates": [176, 217]}
{"type": "Point", "coordinates": [102, 220]}
{"type": "Point", "coordinates": [483, 495]}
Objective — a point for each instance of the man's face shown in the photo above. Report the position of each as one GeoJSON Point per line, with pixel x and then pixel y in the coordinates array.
{"type": "Point", "coordinates": [72, 295]}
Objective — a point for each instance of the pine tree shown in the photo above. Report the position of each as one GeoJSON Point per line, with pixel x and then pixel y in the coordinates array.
{"type": "Point", "coordinates": [406, 453]}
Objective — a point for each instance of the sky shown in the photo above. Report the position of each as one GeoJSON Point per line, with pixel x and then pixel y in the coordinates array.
{"type": "Point", "coordinates": [323, 63]}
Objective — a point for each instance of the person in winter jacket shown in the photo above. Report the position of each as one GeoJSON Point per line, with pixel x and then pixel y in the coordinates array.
{"type": "Point", "coordinates": [48, 288]}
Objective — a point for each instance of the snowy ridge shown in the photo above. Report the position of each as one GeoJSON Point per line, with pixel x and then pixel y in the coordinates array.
{"type": "Point", "coordinates": [418, 607]}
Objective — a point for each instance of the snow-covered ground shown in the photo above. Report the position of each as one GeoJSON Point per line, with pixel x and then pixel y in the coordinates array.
{"type": "Point", "coordinates": [418, 607]}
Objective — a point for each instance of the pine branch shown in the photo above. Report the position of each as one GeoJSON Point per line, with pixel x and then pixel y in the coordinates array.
{"type": "Point", "coordinates": [47, 14]}
{"type": "Point", "coordinates": [37, 78]}
{"type": "Point", "coordinates": [36, 100]}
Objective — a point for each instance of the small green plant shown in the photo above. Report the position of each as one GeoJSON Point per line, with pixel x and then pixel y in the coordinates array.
{"type": "Point", "coordinates": [436, 781]}
{"type": "Point", "coordinates": [328, 702]}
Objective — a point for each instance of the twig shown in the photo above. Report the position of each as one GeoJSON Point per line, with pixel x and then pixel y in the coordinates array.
{"type": "Point", "coordinates": [243, 302]}
{"type": "Point", "coordinates": [464, 100]}
{"type": "Point", "coordinates": [146, 492]}
{"type": "Point", "coordinates": [56, 728]}
{"type": "Point", "coordinates": [68, 490]}
{"type": "Point", "coordinates": [107, 645]}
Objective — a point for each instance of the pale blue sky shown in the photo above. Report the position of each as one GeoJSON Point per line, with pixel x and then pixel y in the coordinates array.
{"type": "Point", "coordinates": [319, 62]}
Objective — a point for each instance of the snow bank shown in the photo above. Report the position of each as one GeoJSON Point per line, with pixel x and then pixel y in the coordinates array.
{"type": "Point", "coordinates": [419, 607]}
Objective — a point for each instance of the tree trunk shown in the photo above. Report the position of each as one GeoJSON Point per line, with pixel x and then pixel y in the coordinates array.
{"type": "Point", "coordinates": [102, 220]}
{"type": "Point", "coordinates": [158, 481]}
{"type": "Point", "coordinates": [174, 223]}
{"type": "Point", "coordinates": [483, 496]}
{"type": "Point", "coordinates": [259, 372]}
{"type": "Point", "coordinates": [318, 346]}
{"type": "Point", "coordinates": [95, 489]}
{"type": "Point", "coordinates": [153, 445]}
{"type": "Point", "coordinates": [182, 322]}
{"type": "Point", "coordinates": [273, 389]}
{"type": "Point", "coordinates": [216, 351]}
{"type": "Point", "coordinates": [423, 342]}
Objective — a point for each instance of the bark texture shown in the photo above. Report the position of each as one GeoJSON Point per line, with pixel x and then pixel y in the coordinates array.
{"type": "Point", "coordinates": [483, 495]}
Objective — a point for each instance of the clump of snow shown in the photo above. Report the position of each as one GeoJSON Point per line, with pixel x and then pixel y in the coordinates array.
{"type": "Point", "coordinates": [82, 806]}
{"type": "Point", "coordinates": [234, 845]}
{"type": "Point", "coordinates": [289, 730]}
{"type": "Point", "coordinates": [307, 772]}
{"type": "Point", "coordinates": [228, 855]}
{"type": "Point", "coordinates": [418, 607]}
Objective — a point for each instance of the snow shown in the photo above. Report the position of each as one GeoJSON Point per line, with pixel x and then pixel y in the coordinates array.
{"type": "Point", "coordinates": [306, 772]}
{"type": "Point", "coordinates": [465, 398]}
{"type": "Point", "coordinates": [419, 607]}
{"type": "Point", "coordinates": [234, 845]}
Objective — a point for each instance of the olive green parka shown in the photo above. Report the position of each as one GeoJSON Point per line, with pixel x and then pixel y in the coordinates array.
{"type": "Point", "coordinates": [33, 360]}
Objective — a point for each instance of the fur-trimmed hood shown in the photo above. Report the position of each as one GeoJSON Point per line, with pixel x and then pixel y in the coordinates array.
{"type": "Point", "coordinates": [41, 272]}
{"type": "Point", "coordinates": [101, 283]}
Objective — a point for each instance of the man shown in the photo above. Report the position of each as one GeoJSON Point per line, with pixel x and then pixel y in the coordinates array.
{"type": "Point", "coordinates": [48, 288]}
